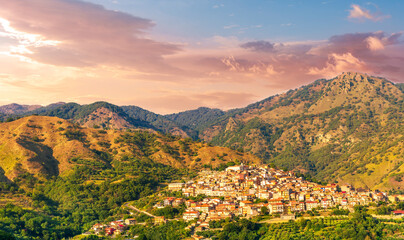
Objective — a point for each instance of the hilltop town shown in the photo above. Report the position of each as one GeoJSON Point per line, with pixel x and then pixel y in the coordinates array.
{"type": "Point", "coordinates": [247, 192]}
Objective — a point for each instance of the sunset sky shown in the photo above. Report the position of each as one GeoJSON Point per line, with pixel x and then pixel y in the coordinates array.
{"type": "Point", "coordinates": [173, 55]}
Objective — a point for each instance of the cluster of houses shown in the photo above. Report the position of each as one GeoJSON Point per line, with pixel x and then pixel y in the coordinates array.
{"type": "Point", "coordinates": [239, 191]}
{"type": "Point", "coordinates": [246, 191]}
{"type": "Point", "coordinates": [113, 228]}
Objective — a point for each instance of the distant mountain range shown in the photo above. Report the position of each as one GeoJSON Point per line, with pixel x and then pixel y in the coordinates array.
{"type": "Point", "coordinates": [348, 129]}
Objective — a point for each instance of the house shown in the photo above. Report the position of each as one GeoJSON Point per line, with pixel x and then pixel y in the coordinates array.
{"type": "Point", "coordinates": [230, 207]}
{"type": "Point", "coordinates": [203, 208]}
{"type": "Point", "coordinates": [169, 201]}
{"type": "Point", "coordinates": [175, 186]}
{"type": "Point", "coordinates": [245, 203]}
{"type": "Point", "coordinates": [264, 195]}
{"type": "Point", "coordinates": [237, 168]}
{"type": "Point", "coordinates": [326, 203]}
{"type": "Point", "coordinates": [98, 228]}
{"type": "Point", "coordinates": [297, 206]}
{"type": "Point", "coordinates": [188, 191]}
{"type": "Point", "coordinates": [130, 221]}
{"type": "Point", "coordinates": [190, 215]}
{"type": "Point", "coordinates": [189, 203]}
{"type": "Point", "coordinates": [109, 231]}
{"type": "Point", "coordinates": [311, 205]}
{"type": "Point", "coordinates": [116, 223]}
{"type": "Point", "coordinates": [177, 202]}
{"type": "Point", "coordinates": [275, 208]}
{"type": "Point", "coordinates": [398, 212]}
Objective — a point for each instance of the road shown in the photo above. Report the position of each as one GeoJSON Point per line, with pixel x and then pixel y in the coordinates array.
{"type": "Point", "coordinates": [279, 220]}
{"type": "Point", "coordinates": [138, 210]}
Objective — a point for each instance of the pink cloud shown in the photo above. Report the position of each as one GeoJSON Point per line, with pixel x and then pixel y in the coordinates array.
{"type": "Point", "coordinates": [360, 13]}
{"type": "Point", "coordinates": [124, 62]}
{"type": "Point", "coordinates": [338, 63]}
{"type": "Point", "coordinates": [85, 34]}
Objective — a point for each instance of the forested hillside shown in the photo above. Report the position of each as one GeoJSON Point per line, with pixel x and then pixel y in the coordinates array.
{"type": "Point", "coordinates": [58, 178]}
{"type": "Point", "coordinates": [347, 129]}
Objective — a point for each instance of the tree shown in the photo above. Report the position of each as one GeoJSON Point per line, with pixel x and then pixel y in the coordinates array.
{"type": "Point", "coordinates": [264, 210]}
{"type": "Point", "coordinates": [6, 236]}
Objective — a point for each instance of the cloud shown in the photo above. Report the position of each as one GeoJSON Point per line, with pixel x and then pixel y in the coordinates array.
{"type": "Point", "coordinates": [338, 63]}
{"type": "Point", "coordinates": [230, 26]}
{"type": "Point", "coordinates": [77, 50]}
{"type": "Point", "coordinates": [374, 43]}
{"type": "Point", "coordinates": [258, 46]}
{"type": "Point", "coordinates": [360, 13]}
{"type": "Point", "coordinates": [82, 34]}
{"type": "Point", "coordinates": [247, 66]}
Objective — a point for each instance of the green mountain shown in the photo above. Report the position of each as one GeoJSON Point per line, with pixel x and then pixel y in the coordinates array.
{"type": "Point", "coordinates": [107, 115]}
{"type": "Point", "coordinates": [347, 129]}
{"type": "Point", "coordinates": [197, 119]}
{"type": "Point", "coordinates": [61, 178]}
{"type": "Point", "coordinates": [158, 122]}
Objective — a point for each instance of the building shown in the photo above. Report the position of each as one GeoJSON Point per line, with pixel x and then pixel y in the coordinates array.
{"type": "Point", "coordinates": [130, 221]}
{"type": "Point", "coordinates": [169, 201]}
{"type": "Point", "coordinates": [109, 231]}
{"type": "Point", "coordinates": [175, 186]}
{"type": "Point", "coordinates": [237, 168]}
{"type": "Point", "coordinates": [311, 205]}
{"type": "Point", "coordinates": [190, 215]}
{"type": "Point", "coordinates": [177, 202]}
{"type": "Point", "coordinates": [398, 212]}
{"type": "Point", "coordinates": [275, 208]}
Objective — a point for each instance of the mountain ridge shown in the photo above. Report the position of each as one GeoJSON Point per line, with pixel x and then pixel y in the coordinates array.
{"type": "Point", "coordinates": [342, 129]}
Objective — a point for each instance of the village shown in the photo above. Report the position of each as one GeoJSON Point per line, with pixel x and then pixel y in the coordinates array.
{"type": "Point", "coordinates": [250, 191]}
{"type": "Point", "coordinates": [240, 188]}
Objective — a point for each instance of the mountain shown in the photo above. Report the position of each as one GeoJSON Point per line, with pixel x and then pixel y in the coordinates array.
{"type": "Point", "coordinates": [17, 108]}
{"type": "Point", "coordinates": [196, 119]}
{"type": "Point", "coordinates": [400, 86]}
{"type": "Point", "coordinates": [98, 115]}
{"type": "Point", "coordinates": [45, 147]}
{"type": "Point", "coordinates": [57, 178]}
{"type": "Point", "coordinates": [109, 116]}
{"type": "Point", "coordinates": [347, 129]}
{"type": "Point", "coordinates": [158, 121]}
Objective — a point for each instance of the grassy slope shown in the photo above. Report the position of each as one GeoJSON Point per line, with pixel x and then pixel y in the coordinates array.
{"type": "Point", "coordinates": [41, 146]}
{"type": "Point", "coordinates": [349, 129]}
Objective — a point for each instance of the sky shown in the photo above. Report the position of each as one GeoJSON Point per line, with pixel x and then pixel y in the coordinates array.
{"type": "Point", "coordinates": [173, 55]}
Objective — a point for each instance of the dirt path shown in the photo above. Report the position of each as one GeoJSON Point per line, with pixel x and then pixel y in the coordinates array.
{"type": "Point", "coordinates": [138, 210]}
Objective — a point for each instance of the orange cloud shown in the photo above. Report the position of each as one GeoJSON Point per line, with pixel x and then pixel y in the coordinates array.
{"type": "Point", "coordinates": [59, 50]}
{"type": "Point", "coordinates": [360, 13]}
{"type": "Point", "coordinates": [83, 34]}
{"type": "Point", "coordinates": [338, 63]}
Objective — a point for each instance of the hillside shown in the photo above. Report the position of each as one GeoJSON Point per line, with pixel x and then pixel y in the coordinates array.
{"type": "Point", "coordinates": [349, 129]}
{"type": "Point", "coordinates": [195, 120]}
{"type": "Point", "coordinates": [102, 115]}
{"type": "Point", "coordinates": [50, 146]}
{"type": "Point", "coordinates": [17, 108]}
{"type": "Point", "coordinates": [158, 122]}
